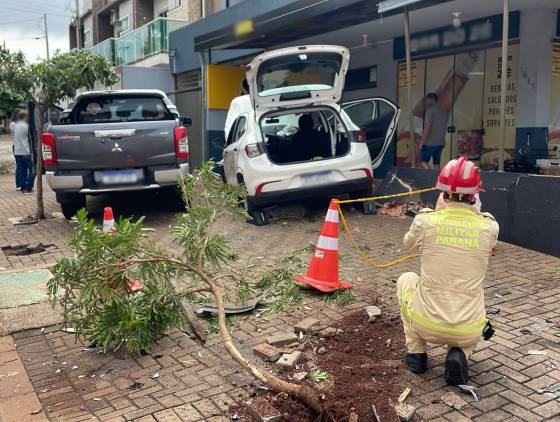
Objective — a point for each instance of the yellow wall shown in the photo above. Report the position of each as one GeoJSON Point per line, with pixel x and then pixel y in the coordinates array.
{"type": "Point", "coordinates": [224, 84]}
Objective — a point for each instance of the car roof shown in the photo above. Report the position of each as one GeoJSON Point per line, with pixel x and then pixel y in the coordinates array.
{"type": "Point", "coordinates": [122, 91]}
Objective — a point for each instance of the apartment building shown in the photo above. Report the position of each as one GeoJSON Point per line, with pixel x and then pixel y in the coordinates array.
{"type": "Point", "coordinates": [131, 32]}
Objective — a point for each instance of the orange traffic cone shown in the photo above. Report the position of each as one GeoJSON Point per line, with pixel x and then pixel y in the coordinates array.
{"type": "Point", "coordinates": [323, 270]}
{"type": "Point", "coordinates": [108, 220]}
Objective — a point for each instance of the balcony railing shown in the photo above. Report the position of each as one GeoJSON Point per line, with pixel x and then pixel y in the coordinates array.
{"type": "Point", "coordinates": [145, 41]}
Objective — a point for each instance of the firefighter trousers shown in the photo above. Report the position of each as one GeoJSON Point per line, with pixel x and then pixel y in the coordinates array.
{"type": "Point", "coordinates": [416, 336]}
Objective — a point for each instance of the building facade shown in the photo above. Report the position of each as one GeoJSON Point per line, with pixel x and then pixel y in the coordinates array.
{"type": "Point", "coordinates": [456, 52]}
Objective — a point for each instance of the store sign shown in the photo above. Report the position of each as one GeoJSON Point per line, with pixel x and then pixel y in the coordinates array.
{"type": "Point", "coordinates": [469, 34]}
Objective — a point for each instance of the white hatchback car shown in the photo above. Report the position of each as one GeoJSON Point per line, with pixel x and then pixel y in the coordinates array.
{"type": "Point", "coordinates": [290, 139]}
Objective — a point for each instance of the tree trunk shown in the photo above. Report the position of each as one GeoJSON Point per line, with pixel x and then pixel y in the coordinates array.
{"type": "Point", "coordinates": [302, 392]}
{"type": "Point", "coordinates": [40, 214]}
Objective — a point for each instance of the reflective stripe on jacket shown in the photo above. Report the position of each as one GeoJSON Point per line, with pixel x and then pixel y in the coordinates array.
{"type": "Point", "coordinates": [455, 244]}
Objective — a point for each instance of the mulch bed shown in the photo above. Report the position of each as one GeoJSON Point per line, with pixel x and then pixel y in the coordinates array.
{"type": "Point", "coordinates": [364, 363]}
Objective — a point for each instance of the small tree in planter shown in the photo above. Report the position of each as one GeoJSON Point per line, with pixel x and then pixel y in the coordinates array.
{"type": "Point", "coordinates": [47, 83]}
{"type": "Point", "coordinates": [95, 286]}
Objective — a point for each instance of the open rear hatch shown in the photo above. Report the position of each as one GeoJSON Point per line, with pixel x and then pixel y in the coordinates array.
{"type": "Point", "coordinates": [297, 76]}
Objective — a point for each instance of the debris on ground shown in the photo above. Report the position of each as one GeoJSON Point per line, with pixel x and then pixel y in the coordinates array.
{"type": "Point", "coordinates": [306, 326]}
{"type": "Point", "coordinates": [554, 388]}
{"type": "Point", "coordinates": [353, 417]}
{"type": "Point", "coordinates": [469, 389]}
{"type": "Point", "coordinates": [322, 350]}
{"type": "Point", "coordinates": [328, 332]}
{"type": "Point", "coordinates": [490, 310]}
{"type": "Point", "coordinates": [453, 400]}
{"type": "Point", "coordinates": [263, 411]}
{"type": "Point", "coordinates": [300, 376]}
{"type": "Point", "coordinates": [267, 352]}
{"type": "Point", "coordinates": [288, 360]}
{"type": "Point", "coordinates": [375, 414]}
{"type": "Point", "coordinates": [404, 395]}
{"type": "Point", "coordinates": [372, 312]}
{"type": "Point", "coordinates": [537, 328]}
{"type": "Point", "coordinates": [536, 352]}
{"type": "Point", "coordinates": [410, 209]}
{"type": "Point", "coordinates": [405, 412]}
{"type": "Point", "coordinates": [155, 376]}
{"type": "Point", "coordinates": [135, 385]}
{"type": "Point", "coordinates": [282, 339]}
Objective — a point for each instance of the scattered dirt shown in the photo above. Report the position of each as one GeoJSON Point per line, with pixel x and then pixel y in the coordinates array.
{"type": "Point", "coordinates": [22, 250]}
{"type": "Point", "coordinates": [364, 366]}
{"type": "Point", "coordinates": [410, 209]}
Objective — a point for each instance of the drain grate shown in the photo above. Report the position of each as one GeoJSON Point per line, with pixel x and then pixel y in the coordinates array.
{"type": "Point", "coordinates": [24, 250]}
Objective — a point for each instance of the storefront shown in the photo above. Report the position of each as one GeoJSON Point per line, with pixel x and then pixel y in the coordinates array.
{"type": "Point", "coordinates": [463, 67]}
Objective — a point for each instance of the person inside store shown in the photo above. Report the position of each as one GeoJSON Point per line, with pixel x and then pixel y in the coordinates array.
{"type": "Point", "coordinates": [445, 303]}
{"type": "Point", "coordinates": [433, 135]}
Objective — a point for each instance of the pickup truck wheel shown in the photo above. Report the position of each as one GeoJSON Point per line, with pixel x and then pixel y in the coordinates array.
{"type": "Point", "coordinates": [176, 199]}
{"type": "Point", "coordinates": [71, 204]}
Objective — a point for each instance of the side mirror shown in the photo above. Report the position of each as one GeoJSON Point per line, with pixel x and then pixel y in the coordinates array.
{"type": "Point", "coordinates": [185, 121]}
{"type": "Point", "coordinates": [218, 143]}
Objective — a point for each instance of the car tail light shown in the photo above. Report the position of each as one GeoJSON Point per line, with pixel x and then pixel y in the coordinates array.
{"type": "Point", "coordinates": [362, 137]}
{"type": "Point", "coordinates": [253, 150]}
{"type": "Point", "coordinates": [48, 149]}
{"type": "Point", "coordinates": [181, 142]}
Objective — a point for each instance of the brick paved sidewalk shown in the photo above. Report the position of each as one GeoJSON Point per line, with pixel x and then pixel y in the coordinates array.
{"type": "Point", "coordinates": [197, 383]}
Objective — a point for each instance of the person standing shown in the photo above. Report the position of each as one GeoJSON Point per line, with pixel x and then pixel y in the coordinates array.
{"type": "Point", "coordinates": [445, 303]}
{"type": "Point", "coordinates": [433, 135]}
{"type": "Point", "coordinates": [13, 121]}
{"type": "Point", "coordinates": [22, 151]}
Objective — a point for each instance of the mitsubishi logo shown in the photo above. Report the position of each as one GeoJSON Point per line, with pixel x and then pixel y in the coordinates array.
{"type": "Point", "coordinates": [116, 148]}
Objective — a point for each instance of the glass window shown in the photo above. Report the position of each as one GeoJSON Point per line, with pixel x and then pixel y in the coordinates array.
{"type": "Point", "coordinates": [298, 72]}
{"type": "Point", "coordinates": [113, 109]}
{"type": "Point", "coordinates": [361, 113]}
{"type": "Point", "coordinates": [123, 25]}
{"type": "Point", "coordinates": [173, 4]}
{"type": "Point", "coordinates": [241, 128]}
{"type": "Point", "coordinates": [87, 36]}
{"type": "Point", "coordinates": [383, 108]}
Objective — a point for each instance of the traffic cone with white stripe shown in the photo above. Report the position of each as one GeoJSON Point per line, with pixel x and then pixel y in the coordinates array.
{"type": "Point", "coordinates": [108, 220]}
{"type": "Point", "coordinates": [323, 269]}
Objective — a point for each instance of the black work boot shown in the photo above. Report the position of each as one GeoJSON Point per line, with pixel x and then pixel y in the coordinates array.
{"type": "Point", "coordinates": [416, 362]}
{"type": "Point", "coordinates": [456, 367]}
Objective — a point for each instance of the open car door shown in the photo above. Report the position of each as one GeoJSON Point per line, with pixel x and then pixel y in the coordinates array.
{"type": "Point", "coordinates": [378, 118]}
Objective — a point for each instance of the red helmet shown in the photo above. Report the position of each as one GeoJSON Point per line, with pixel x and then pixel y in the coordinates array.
{"type": "Point", "coordinates": [459, 176]}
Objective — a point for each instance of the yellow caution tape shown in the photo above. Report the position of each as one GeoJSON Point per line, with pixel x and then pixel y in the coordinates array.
{"type": "Point", "coordinates": [394, 195]}
{"type": "Point", "coordinates": [361, 253]}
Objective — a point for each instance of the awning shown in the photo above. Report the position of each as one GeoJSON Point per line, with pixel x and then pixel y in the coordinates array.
{"type": "Point", "coordinates": [295, 21]}
{"type": "Point", "coordinates": [393, 5]}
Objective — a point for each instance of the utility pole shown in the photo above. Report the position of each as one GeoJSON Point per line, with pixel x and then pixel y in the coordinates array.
{"type": "Point", "coordinates": [78, 26]}
{"type": "Point", "coordinates": [46, 35]}
{"type": "Point", "coordinates": [505, 39]}
{"type": "Point", "coordinates": [412, 133]}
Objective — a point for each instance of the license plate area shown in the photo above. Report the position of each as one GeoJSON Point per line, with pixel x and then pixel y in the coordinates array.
{"type": "Point", "coordinates": [318, 178]}
{"type": "Point", "coordinates": [118, 177]}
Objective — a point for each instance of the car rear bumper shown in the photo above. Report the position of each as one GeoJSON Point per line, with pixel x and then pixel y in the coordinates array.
{"type": "Point", "coordinates": [328, 190]}
{"type": "Point", "coordinates": [83, 182]}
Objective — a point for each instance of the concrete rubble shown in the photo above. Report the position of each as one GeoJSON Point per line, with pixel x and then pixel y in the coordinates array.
{"type": "Point", "coordinates": [453, 400]}
{"type": "Point", "coordinates": [405, 412]}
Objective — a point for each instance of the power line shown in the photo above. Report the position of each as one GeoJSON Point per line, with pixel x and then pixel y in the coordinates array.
{"type": "Point", "coordinates": [19, 21]}
{"type": "Point", "coordinates": [35, 12]}
{"type": "Point", "coordinates": [37, 8]}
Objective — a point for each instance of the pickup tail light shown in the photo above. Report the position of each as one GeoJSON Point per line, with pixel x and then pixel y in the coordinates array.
{"type": "Point", "coordinates": [48, 149]}
{"type": "Point", "coordinates": [362, 137]}
{"type": "Point", "coordinates": [181, 142]}
{"type": "Point", "coordinates": [253, 150]}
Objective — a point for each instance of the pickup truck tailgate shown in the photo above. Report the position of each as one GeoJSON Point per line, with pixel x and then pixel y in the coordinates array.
{"type": "Point", "coordinates": [114, 145]}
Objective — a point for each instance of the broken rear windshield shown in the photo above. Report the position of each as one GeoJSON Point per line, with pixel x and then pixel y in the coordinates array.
{"type": "Point", "coordinates": [298, 72]}
{"type": "Point", "coordinates": [114, 109]}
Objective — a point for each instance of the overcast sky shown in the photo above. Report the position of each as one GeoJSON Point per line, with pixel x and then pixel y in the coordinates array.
{"type": "Point", "coordinates": [22, 28]}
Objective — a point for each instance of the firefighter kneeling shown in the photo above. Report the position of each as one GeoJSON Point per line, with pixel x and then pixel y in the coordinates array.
{"type": "Point", "coordinates": [445, 304]}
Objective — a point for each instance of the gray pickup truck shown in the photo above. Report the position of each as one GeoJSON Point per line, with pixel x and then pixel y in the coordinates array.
{"type": "Point", "coordinates": [115, 141]}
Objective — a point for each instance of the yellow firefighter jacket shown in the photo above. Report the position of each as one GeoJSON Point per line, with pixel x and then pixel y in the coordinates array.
{"type": "Point", "coordinates": [455, 244]}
